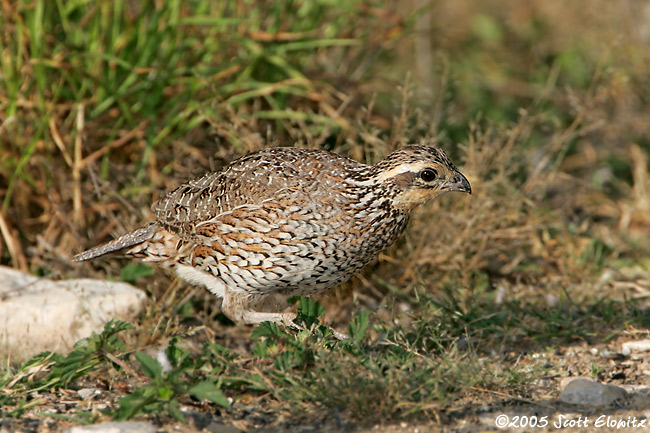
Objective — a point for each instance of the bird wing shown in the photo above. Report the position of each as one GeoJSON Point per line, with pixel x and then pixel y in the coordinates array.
{"type": "Point", "coordinates": [251, 180]}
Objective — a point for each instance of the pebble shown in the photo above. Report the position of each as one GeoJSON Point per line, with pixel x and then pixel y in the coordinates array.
{"type": "Point", "coordinates": [39, 314]}
{"type": "Point", "coordinates": [86, 393]}
{"type": "Point", "coordinates": [608, 354]}
{"type": "Point", "coordinates": [587, 392]}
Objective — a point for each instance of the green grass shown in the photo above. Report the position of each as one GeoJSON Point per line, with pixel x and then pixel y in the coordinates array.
{"type": "Point", "coordinates": [382, 372]}
{"type": "Point", "coordinates": [165, 69]}
{"type": "Point", "coordinates": [301, 370]}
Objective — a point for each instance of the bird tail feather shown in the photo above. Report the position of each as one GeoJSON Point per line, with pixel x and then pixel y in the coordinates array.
{"type": "Point", "coordinates": [128, 240]}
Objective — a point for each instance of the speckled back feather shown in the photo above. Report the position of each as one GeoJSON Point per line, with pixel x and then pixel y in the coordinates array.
{"type": "Point", "coordinates": [248, 181]}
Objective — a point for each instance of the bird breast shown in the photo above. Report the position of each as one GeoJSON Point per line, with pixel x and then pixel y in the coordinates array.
{"type": "Point", "coordinates": [298, 243]}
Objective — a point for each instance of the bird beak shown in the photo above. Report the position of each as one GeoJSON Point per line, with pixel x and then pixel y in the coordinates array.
{"type": "Point", "coordinates": [459, 183]}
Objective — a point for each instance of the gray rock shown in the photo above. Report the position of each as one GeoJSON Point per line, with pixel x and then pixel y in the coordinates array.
{"type": "Point", "coordinates": [215, 427]}
{"type": "Point", "coordinates": [38, 314]}
{"type": "Point", "coordinates": [587, 392]}
{"type": "Point", "coordinates": [115, 427]}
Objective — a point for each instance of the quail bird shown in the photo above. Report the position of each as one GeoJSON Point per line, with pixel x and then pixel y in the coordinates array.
{"type": "Point", "coordinates": [285, 221]}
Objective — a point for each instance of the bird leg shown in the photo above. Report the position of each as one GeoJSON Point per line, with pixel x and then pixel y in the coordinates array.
{"type": "Point", "coordinates": [237, 307]}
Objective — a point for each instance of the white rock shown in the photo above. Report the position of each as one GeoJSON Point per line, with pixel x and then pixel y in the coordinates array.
{"type": "Point", "coordinates": [38, 314]}
{"type": "Point", "coordinates": [163, 360]}
{"type": "Point", "coordinates": [637, 389]}
{"type": "Point", "coordinates": [115, 427]}
{"type": "Point", "coordinates": [588, 392]}
{"type": "Point", "coordinates": [636, 346]}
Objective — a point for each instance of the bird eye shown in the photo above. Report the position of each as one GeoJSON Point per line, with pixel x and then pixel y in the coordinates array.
{"type": "Point", "coordinates": [428, 174]}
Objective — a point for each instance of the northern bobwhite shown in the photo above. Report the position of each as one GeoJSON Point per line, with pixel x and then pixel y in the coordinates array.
{"type": "Point", "coordinates": [285, 221]}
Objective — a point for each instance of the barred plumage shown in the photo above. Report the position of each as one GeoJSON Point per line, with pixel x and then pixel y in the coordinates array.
{"type": "Point", "coordinates": [286, 221]}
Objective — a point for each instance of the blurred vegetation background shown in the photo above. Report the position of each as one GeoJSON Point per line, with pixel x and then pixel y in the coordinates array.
{"type": "Point", "coordinates": [105, 105]}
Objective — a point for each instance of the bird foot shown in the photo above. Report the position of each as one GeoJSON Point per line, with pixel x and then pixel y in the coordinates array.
{"type": "Point", "coordinates": [285, 319]}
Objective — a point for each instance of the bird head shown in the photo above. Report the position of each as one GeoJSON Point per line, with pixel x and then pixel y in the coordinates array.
{"type": "Point", "coordinates": [416, 174]}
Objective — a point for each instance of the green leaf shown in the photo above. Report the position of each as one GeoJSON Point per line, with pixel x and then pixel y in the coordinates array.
{"type": "Point", "coordinates": [359, 326]}
{"type": "Point", "coordinates": [309, 311]}
{"type": "Point", "coordinates": [210, 391]}
{"type": "Point", "coordinates": [175, 411]}
{"type": "Point", "coordinates": [87, 354]}
{"type": "Point", "coordinates": [177, 355]}
{"type": "Point", "coordinates": [131, 272]}
{"type": "Point", "coordinates": [267, 329]}
{"type": "Point", "coordinates": [152, 367]}
{"type": "Point", "coordinates": [115, 326]}
{"type": "Point", "coordinates": [165, 394]}
{"type": "Point", "coordinates": [133, 404]}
